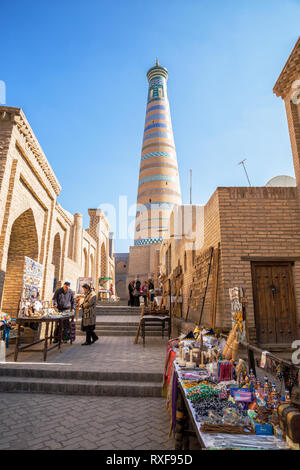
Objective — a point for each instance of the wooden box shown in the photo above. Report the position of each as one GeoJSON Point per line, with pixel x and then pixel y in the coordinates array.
{"type": "Point", "coordinates": [293, 426]}
{"type": "Point", "coordinates": [282, 412]}
{"type": "Point", "coordinates": [295, 396]}
{"type": "Point", "coordinates": [289, 419]}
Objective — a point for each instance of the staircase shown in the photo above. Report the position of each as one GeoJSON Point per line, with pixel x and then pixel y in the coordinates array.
{"type": "Point", "coordinates": [57, 379]}
{"type": "Point", "coordinates": [108, 309]}
{"type": "Point", "coordinates": [79, 382]}
{"type": "Point", "coordinates": [119, 321]}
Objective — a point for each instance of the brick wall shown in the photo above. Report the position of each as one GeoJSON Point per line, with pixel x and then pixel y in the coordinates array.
{"type": "Point", "coordinates": [27, 183]}
{"type": "Point", "coordinates": [248, 222]}
{"type": "Point", "coordinates": [23, 242]}
{"type": "Point", "coordinates": [256, 222]}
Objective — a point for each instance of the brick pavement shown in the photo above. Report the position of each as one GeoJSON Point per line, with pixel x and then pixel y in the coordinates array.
{"type": "Point", "coordinates": [108, 354]}
{"type": "Point", "coordinates": [68, 422]}
{"type": "Point", "coordinates": [89, 422]}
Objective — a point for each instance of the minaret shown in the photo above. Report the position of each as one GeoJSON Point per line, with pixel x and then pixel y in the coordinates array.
{"type": "Point", "coordinates": [159, 187]}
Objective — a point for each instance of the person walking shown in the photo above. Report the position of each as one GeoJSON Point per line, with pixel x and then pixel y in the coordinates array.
{"type": "Point", "coordinates": [144, 291]}
{"type": "Point", "coordinates": [130, 290]}
{"type": "Point", "coordinates": [64, 300]}
{"type": "Point", "coordinates": [89, 315]}
{"type": "Point", "coordinates": [137, 293]}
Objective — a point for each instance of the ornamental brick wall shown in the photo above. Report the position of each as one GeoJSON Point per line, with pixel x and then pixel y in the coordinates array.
{"type": "Point", "coordinates": [31, 219]}
{"type": "Point", "coordinates": [179, 248]}
{"type": "Point", "coordinates": [23, 242]}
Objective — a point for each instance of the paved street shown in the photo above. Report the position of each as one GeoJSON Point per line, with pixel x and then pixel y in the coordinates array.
{"type": "Point", "coordinates": [50, 421]}
{"type": "Point", "coordinates": [32, 421]}
{"type": "Point", "coordinates": [110, 353]}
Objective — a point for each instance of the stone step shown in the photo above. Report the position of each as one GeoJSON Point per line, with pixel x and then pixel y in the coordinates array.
{"type": "Point", "coordinates": [52, 372]}
{"type": "Point", "coordinates": [80, 387]}
{"type": "Point", "coordinates": [119, 326]}
{"type": "Point", "coordinates": [120, 332]}
{"type": "Point", "coordinates": [119, 308]}
{"type": "Point", "coordinates": [111, 325]}
{"type": "Point", "coordinates": [120, 311]}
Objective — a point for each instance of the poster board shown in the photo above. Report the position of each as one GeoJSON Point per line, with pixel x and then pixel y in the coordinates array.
{"type": "Point", "coordinates": [81, 281]}
{"type": "Point", "coordinates": [32, 279]}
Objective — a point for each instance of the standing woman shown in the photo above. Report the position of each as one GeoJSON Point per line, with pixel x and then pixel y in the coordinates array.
{"type": "Point", "coordinates": [130, 290]}
{"type": "Point", "coordinates": [89, 314]}
{"type": "Point", "coordinates": [137, 293]}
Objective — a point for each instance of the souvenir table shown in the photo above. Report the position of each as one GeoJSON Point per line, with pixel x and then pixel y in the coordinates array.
{"type": "Point", "coordinates": [210, 441]}
{"type": "Point", "coordinates": [154, 318]}
{"type": "Point", "coordinates": [50, 321]}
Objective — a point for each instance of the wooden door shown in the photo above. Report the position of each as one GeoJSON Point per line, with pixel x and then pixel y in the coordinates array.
{"type": "Point", "coordinates": [274, 303]}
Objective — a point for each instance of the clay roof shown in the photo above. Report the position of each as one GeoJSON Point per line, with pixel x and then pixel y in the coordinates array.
{"type": "Point", "coordinates": [290, 72]}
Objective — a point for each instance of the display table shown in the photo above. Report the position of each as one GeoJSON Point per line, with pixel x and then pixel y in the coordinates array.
{"type": "Point", "coordinates": [186, 419]}
{"type": "Point", "coordinates": [154, 320]}
{"type": "Point", "coordinates": [49, 334]}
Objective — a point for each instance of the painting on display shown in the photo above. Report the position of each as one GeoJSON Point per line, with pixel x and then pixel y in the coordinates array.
{"type": "Point", "coordinates": [32, 279]}
{"type": "Point", "coordinates": [84, 280]}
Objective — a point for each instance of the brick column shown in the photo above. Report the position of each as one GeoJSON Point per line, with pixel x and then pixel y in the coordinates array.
{"type": "Point", "coordinates": [77, 237]}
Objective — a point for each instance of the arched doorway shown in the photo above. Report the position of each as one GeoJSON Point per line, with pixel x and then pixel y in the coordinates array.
{"type": "Point", "coordinates": [86, 263]}
{"type": "Point", "coordinates": [56, 258]}
{"type": "Point", "coordinates": [23, 242]}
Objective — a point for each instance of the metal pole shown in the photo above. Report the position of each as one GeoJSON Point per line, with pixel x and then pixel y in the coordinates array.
{"type": "Point", "coordinates": [191, 175]}
{"type": "Point", "coordinates": [244, 166]}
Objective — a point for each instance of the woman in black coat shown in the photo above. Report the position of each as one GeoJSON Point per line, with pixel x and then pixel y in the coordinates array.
{"type": "Point", "coordinates": [130, 290]}
{"type": "Point", "coordinates": [137, 289]}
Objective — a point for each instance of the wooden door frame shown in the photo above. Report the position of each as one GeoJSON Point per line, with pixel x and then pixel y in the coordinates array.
{"type": "Point", "coordinates": [274, 262]}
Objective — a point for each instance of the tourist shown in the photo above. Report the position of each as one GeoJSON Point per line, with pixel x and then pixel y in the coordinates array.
{"type": "Point", "coordinates": [151, 289]}
{"type": "Point", "coordinates": [64, 300]}
{"type": "Point", "coordinates": [131, 287]}
{"type": "Point", "coordinates": [144, 292]}
{"type": "Point", "coordinates": [89, 315]}
{"type": "Point", "coordinates": [137, 293]}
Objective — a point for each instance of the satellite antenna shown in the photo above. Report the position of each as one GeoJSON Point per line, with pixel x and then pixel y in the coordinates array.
{"type": "Point", "coordinates": [244, 166]}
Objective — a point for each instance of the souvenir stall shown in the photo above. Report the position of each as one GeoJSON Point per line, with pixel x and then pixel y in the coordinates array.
{"type": "Point", "coordinates": [153, 316]}
{"type": "Point", "coordinates": [104, 293]}
{"type": "Point", "coordinates": [212, 395]}
{"type": "Point", "coordinates": [33, 312]}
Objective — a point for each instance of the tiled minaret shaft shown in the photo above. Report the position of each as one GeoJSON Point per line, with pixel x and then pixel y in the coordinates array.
{"type": "Point", "coordinates": [159, 187]}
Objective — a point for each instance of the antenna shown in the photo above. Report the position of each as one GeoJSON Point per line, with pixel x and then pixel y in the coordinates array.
{"type": "Point", "coordinates": [191, 175]}
{"type": "Point", "coordinates": [244, 166]}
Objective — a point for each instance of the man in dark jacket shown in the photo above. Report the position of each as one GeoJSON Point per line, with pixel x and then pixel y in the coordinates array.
{"type": "Point", "coordinates": [64, 300]}
{"type": "Point", "coordinates": [136, 293]}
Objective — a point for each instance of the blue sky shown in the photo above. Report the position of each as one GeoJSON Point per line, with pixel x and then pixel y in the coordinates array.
{"type": "Point", "coordinates": [78, 70]}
